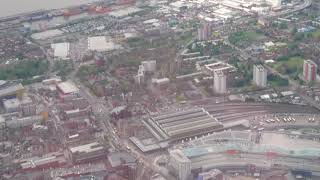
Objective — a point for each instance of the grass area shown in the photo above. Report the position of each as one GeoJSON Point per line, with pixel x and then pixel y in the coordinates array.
{"type": "Point", "coordinates": [277, 81]}
{"type": "Point", "coordinates": [316, 34]}
{"type": "Point", "coordinates": [24, 69]}
{"type": "Point", "coordinates": [289, 66]}
{"type": "Point", "coordinates": [244, 38]}
{"type": "Point", "coordinates": [63, 68]}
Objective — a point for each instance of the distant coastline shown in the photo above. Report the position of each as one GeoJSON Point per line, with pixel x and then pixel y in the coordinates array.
{"type": "Point", "coordinates": [13, 8]}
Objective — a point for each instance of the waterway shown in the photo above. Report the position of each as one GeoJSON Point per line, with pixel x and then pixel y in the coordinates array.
{"type": "Point", "coordinates": [13, 7]}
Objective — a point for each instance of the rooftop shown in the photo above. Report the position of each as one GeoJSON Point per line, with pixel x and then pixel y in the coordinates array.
{"type": "Point", "coordinates": [101, 43]}
{"type": "Point", "coordinates": [68, 87]}
{"type": "Point", "coordinates": [124, 12]}
{"type": "Point", "coordinates": [181, 124]}
{"type": "Point", "coordinates": [10, 89]}
{"type": "Point", "coordinates": [87, 148]}
{"type": "Point", "coordinates": [61, 50]}
{"type": "Point", "coordinates": [119, 158]}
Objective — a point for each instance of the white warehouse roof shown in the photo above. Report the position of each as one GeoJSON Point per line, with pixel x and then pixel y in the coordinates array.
{"type": "Point", "coordinates": [61, 50]}
{"type": "Point", "coordinates": [68, 87]}
{"type": "Point", "coordinates": [100, 43]}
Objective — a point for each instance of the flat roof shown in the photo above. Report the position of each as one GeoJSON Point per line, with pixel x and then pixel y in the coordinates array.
{"type": "Point", "coordinates": [118, 158]}
{"type": "Point", "coordinates": [178, 155]}
{"type": "Point", "coordinates": [87, 148]}
{"type": "Point", "coordinates": [11, 89]}
{"type": "Point", "coordinates": [61, 50]}
{"type": "Point", "coordinates": [68, 87]}
{"type": "Point", "coordinates": [270, 142]}
{"type": "Point", "coordinates": [101, 43]}
{"type": "Point", "coordinates": [124, 12]}
{"type": "Point", "coordinates": [182, 123]}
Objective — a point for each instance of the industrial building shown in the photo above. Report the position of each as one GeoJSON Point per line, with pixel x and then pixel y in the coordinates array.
{"type": "Point", "coordinates": [219, 82]}
{"type": "Point", "coordinates": [121, 13]}
{"type": "Point", "coordinates": [24, 121]}
{"type": "Point", "coordinates": [61, 51]}
{"type": "Point", "coordinates": [259, 76]}
{"type": "Point", "coordinates": [238, 149]}
{"type": "Point", "coordinates": [8, 89]}
{"type": "Point", "coordinates": [67, 87]}
{"type": "Point", "coordinates": [24, 105]}
{"type": "Point", "coordinates": [101, 44]}
{"type": "Point", "coordinates": [85, 152]}
{"type": "Point", "coordinates": [52, 160]}
{"type": "Point", "coordinates": [182, 124]}
{"type": "Point", "coordinates": [309, 71]}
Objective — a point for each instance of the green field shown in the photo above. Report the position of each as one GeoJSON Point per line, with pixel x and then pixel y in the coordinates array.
{"type": "Point", "coordinates": [316, 34]}
{"type": "Point", "coordinates": [290, 66]}
{"type": "Point", "coordinates": [244, 38]}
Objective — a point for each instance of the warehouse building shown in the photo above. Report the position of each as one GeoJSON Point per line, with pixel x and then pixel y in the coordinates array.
{"type": "Point", "coordinates": [86, 152]}
{"type": "Point", "coordinates": [9, 90]}
{"type": "Point", "coordinates": [182, 124]}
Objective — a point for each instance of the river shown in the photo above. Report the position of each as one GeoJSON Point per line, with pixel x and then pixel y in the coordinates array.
{"type": "Point", "coordinates": [12, 7]}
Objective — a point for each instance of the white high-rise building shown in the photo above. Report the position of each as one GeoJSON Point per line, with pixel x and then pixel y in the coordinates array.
{"type": "Point", "coordinates": [180, 163]}
{"type": "Point", "coordinates": [219, 82]}
{"type": "Point", "coordinates": [139, 78]}
{"type": "Point", "coordinates": [259, 76]}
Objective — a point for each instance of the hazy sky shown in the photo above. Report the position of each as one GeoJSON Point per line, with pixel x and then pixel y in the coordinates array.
{"type": "Point", "coordinates": [11, 7]}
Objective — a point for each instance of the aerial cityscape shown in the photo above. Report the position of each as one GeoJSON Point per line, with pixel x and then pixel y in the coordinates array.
{"type": "Point", "coordinates": [160, 90]}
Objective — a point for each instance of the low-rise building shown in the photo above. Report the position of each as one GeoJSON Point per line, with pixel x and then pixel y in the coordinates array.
{"type": "Point", "coordinates": [86, 152]}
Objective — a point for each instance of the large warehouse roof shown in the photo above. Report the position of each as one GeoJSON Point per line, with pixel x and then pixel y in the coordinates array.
{"type": "Point", "coordinates": [68, 87]}
{"type": "Point", "coordinates": [101, 43]}
{"type": "Point", "coordinates": [61, 50]}
{"type": "Point", "coordinates": [10, 90]}
{"type": "Point", "coordinates": [182, 124]}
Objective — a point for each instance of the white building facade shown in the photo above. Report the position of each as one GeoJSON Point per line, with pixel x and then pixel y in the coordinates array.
{"type": "Point", "coordinates": [259, 76]}
{"type": "Point", "coordinates": [181, 164]}
{"type": "Point", "coordinates": [219, 82]}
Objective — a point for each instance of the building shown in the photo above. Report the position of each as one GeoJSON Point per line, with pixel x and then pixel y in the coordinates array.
{"type": "Point", "coordinates": [124, 12]}
{"type": "Point", "coordinates": [149, 66]}
{"type": "Point", "coordinates": [238, 149]}
{"type": "Point", "coordinates": [117, 159]}
{"type": "Point", "coordinates": [274, 3]}
{"type": "Point", "coordinates": [25, 121]}
{"type": "Point", "coordinates": [204, 32]}
{"type": "Point", "coordinates": [181, 164]}
{"type": "Point", "coordinates": [11, 105]}
{"type": "Point", "coordinates": [140, 78]}
{"type": "Point", "coordinates": [309, 71]}
{"type": "Point", "coordinates": [48, 161]}
{"type": "Point", "coordinates": [2, 122]}
{"type": "Point", "coordinates": [86, 152]}
{"type": "Point", "coordinates": [61, 51]}
{"type": "Point", "coordinates": [259, 76]}
{"type": "Point", "coordinates": [182, 124]}
{"type": "Point", "coordinates": [8, 89]}
{"type": "Point", "coordinates": [67, 87]}
{"type": "Point", "coordinates": [213, 174]}
{"type": "Point", "coordinates": [219, 82]}
{"type": "Point", "coordinates": [101, 44]}
{"type": "Point", "coordinates": [24, 105]}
